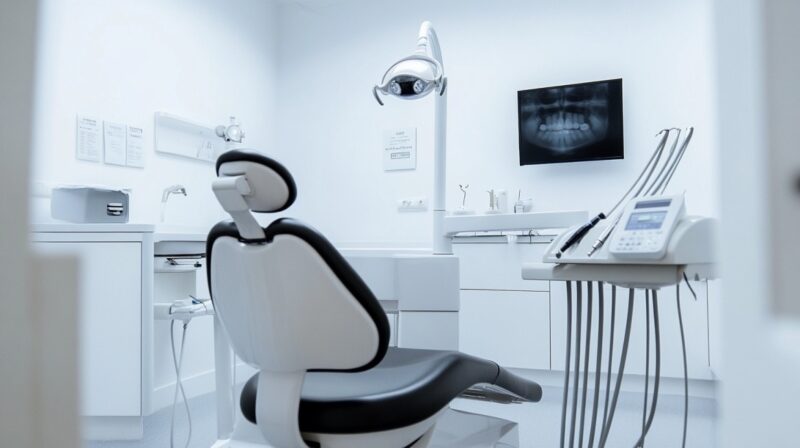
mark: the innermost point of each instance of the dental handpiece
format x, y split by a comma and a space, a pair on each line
578, 234
603, 236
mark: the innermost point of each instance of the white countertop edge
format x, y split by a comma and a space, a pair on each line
67, 227
167, 233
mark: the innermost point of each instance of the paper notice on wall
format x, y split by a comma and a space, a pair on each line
89, 139
400, 149
114, 143
206, 151
134, 154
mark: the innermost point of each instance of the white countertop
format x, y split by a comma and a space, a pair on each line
160, 232
68, 227
180, 233
454, 224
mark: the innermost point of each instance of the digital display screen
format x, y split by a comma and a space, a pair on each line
571, 123
646, 221
660, 203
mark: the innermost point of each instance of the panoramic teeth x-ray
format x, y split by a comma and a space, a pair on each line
571, 123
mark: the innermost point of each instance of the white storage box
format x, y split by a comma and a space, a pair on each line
84, 204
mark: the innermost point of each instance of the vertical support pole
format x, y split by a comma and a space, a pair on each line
441, 243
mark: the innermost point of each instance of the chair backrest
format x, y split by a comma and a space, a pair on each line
287, 298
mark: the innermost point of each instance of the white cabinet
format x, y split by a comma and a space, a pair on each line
492, 263
418, 290
503, 318
508, 327
110, 324
428, 330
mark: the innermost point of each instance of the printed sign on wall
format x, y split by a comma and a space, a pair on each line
400, 149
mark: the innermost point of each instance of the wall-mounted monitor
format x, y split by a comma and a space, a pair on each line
571, 123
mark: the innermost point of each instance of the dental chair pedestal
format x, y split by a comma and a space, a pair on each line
295, 309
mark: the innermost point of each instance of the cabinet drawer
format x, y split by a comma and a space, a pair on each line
498, 265
511, 328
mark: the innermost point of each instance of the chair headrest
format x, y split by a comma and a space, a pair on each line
272, 186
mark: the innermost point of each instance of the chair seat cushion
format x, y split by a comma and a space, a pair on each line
406, 387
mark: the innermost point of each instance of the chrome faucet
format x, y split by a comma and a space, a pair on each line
174, 189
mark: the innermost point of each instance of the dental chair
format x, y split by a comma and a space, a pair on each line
295, 309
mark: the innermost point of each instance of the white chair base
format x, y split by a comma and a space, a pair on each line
448, 429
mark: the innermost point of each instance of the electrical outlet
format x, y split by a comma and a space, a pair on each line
413, 205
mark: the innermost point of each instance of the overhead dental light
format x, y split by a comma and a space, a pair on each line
415, 77
232, 133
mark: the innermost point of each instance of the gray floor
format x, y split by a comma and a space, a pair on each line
539, 423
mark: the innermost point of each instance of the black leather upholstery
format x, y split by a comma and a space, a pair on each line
248, 155
408, 386
340, 267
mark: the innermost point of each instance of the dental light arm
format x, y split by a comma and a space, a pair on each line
414, 77
428, 43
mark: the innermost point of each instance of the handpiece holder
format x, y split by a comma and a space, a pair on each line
690, 243
690, 251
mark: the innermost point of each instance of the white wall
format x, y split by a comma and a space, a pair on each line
331, 54
124, 60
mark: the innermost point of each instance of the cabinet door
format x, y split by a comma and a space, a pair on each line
431, 330
498, 265
511, 328
695, 322
109, 324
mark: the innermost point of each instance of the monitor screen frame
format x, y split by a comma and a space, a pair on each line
613, 144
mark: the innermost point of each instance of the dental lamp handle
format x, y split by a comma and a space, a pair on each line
428, 42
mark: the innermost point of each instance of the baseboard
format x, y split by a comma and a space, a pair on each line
196, 385
112, 428
631, 383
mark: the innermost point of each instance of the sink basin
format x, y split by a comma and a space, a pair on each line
179, 240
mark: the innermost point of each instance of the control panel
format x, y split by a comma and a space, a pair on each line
645, 228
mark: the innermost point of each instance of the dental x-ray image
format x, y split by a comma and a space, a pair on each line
571, 123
